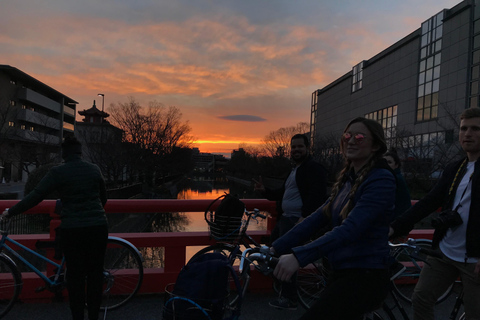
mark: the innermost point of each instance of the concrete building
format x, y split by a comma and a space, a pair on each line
34, 119
415, 88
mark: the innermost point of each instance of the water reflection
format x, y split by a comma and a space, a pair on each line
195, 188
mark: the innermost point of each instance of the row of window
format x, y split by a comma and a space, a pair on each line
475, 69
357, 81
424, 146
22, 126
429, 68
387, 117
13, 103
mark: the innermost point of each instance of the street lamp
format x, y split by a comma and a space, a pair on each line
103, 99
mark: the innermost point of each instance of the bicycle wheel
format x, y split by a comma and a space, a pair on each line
224, 248
373, 316
310, 282
123, 273
404, 284
10, 284
233, 253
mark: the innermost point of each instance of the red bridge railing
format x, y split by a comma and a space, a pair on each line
174, 243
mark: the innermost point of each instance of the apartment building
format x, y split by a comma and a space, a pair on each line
34, 118
416, 89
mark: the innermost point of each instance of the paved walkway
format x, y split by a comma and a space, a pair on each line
149, 307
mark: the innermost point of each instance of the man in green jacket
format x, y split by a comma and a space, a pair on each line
83, 228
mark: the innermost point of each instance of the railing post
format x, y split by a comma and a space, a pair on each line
54, 224
174, 259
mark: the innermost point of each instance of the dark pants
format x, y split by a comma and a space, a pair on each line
283, 225
349, 294
84, 250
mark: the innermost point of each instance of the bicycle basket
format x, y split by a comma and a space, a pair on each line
182, 308
225, 224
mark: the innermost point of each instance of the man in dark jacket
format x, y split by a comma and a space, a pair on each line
83, 228
456, 228
304, 190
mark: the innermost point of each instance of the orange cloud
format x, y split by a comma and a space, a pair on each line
210, 61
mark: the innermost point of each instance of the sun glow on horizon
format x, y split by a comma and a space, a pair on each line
226, 142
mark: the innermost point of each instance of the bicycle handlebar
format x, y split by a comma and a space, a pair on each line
255, 214
265, 261
411, 243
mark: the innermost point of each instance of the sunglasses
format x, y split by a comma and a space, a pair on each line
358, 137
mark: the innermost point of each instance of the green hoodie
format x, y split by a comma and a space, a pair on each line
82, 191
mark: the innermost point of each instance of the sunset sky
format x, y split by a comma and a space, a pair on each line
237, 69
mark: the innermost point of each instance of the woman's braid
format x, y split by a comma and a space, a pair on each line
358, 181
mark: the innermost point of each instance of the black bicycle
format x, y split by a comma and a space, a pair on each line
412, 254
233, 242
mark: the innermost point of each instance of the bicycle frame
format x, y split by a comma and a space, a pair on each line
59, 266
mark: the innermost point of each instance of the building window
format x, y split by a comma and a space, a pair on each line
24, 107
388, 119
32, 128
13, 103
13, 81
475, 68
313, 118
425, 147
429, 68
22, 127
357, 79
11, 124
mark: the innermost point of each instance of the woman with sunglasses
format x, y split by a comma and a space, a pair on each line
358, 212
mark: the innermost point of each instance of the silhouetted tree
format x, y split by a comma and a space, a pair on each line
152, 132
277, 143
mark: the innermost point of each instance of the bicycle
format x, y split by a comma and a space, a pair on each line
262, 260
417, 252
123, 273
312, 279
236, 238
411, 255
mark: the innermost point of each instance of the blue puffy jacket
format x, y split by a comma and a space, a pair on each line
359, 241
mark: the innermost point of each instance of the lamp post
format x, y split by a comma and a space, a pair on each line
103, 103
103, 99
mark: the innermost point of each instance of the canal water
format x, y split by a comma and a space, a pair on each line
194, 188
212, 188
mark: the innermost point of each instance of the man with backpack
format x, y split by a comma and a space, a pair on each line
304, 190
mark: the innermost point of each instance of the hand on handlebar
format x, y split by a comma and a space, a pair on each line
5, 215
286, 267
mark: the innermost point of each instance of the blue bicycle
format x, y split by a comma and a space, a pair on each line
123, 271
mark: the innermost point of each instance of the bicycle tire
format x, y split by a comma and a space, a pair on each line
373, 316
310, 282
227, 249
224, 248
404, 284
123, 273
10, 284
386, 311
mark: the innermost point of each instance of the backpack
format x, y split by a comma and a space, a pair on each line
226, 222
202, 289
